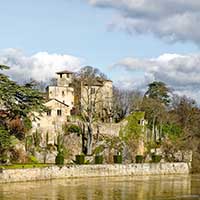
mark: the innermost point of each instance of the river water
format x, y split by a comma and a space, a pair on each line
186, 187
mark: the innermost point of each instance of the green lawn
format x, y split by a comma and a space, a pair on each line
24, 166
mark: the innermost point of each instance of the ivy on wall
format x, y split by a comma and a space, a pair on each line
133, 127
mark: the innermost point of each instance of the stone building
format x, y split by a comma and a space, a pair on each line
98, 96
63, 90
60, 101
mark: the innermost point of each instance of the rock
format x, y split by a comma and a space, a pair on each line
187, 156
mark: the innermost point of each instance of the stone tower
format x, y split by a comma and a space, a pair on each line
62, 91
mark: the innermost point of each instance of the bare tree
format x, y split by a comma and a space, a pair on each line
88, 83
124, 102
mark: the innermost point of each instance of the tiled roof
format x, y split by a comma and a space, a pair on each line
65, 72
58, 102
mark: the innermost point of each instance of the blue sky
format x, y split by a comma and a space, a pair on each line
95, 32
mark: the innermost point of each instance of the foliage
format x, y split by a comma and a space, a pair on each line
117, 159
18, 104
133, 128
156, 158
59, 160
99, 149
153, 145
5, 141
159, 91
155, 112
98, 159
80, 159
60, 143
28, 142
71, 128
115, 143
139, 158
36, 138
19, 100
172, 131
33, 159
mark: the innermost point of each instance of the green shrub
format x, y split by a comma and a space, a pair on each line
156, 158
117, 159
33, 159
139, 158
99, 149
80, 159
98, 159
72, 128
59, 159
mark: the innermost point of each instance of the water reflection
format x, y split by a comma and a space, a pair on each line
120, 188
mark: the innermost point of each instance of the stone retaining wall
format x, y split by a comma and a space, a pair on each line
72, 171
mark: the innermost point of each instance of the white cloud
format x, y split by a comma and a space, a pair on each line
167, 19
40, 66
180, 72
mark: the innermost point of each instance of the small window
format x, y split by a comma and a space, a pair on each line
49, 113
67, 75
92, 90
59, 112
60, 75
63, 93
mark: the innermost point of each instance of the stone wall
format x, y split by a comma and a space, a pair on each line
72, 171
110, 129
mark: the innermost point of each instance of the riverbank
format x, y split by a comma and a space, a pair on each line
76, 171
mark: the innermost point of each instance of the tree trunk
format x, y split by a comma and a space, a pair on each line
153, 130
89, 139
84, 149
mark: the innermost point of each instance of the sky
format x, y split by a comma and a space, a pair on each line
134, 42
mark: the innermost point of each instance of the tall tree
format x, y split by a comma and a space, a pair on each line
17, 104
155, 102
155, 113
159, 91
88, 87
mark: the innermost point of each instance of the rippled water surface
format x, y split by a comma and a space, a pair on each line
125, 188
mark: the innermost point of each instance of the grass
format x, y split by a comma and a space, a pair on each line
24, 166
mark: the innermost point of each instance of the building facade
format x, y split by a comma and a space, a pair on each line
97, 96
60, 101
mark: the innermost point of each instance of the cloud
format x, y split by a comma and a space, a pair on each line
40, 66
180, 72
167, 19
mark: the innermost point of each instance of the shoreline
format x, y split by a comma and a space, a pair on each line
86, 171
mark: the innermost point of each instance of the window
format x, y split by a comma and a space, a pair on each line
92, 90
63, 93
67, 75
49, 113
59, 112
60, 75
